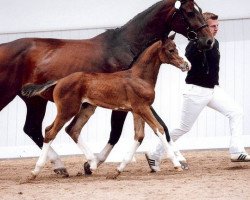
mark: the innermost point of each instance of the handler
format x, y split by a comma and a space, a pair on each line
203, 90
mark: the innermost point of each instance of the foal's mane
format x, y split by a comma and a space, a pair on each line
146, 56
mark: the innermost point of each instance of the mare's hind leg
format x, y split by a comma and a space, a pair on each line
36, 108
177, 153
74, 130
139, 125
6, 99
148, 116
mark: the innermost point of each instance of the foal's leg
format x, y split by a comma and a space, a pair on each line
74, 130
50, 134
139, 125
177, 153
148, 116
36, 108
66, 109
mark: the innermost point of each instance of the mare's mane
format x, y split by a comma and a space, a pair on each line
136, 34
140, 23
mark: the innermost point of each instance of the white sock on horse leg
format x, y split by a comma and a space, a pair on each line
128, 157
168, 149
88, 153
42, 158
55, 159
102, 156
177, 153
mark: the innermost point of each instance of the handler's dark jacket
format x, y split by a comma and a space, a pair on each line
205, 65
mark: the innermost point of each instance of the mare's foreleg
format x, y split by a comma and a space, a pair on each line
139, 125
148, 116
36, 108
74, 130
117, 121
162, 123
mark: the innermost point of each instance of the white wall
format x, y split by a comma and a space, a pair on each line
41, 15
211, 129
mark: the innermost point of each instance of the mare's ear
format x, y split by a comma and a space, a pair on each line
172, 36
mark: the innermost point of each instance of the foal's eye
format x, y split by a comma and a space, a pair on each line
171, 50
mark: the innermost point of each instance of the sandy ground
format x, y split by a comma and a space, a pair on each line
211, 176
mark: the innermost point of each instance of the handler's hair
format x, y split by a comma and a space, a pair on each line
208, 15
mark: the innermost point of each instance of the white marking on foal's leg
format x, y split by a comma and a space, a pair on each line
177, 153
128, 157
169, 150
55, 159
88, 153
42, 158
102, 156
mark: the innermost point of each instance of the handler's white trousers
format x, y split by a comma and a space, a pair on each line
195, 100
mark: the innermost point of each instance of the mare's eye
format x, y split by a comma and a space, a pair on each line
171, 50
191, 14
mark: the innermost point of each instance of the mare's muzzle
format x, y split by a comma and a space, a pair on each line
205, 43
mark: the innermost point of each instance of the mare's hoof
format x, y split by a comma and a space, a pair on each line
184, 165
178, 169
62, 172
27, 179
87, 170
79, 174
113, 175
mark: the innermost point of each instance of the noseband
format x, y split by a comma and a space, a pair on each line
191, 33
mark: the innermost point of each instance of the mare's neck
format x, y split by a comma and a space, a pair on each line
146, 28
148, 64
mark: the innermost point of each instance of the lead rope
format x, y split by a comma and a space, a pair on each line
205, 62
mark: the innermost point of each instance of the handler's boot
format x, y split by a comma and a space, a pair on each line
153, 162
240, 157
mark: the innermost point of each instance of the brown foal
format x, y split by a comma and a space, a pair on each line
129, 90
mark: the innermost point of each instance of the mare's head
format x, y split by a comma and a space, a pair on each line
187, 19
169, 54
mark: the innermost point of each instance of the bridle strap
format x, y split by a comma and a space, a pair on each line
190, 30
201, 27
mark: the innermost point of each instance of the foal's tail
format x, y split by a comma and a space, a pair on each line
31, 90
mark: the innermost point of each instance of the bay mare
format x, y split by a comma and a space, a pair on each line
129, 90
36, 60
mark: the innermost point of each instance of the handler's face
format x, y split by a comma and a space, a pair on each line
213, 26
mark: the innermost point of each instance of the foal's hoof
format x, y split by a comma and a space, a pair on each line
62, 172
87, 170
113, 175
178, 169
184, 165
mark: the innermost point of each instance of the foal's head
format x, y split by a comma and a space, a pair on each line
169, 54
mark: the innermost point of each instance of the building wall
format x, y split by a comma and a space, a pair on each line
211, 130
36, 15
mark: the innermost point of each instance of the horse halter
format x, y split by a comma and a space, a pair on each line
191, 33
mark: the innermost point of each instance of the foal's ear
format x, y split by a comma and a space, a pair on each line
172, 36
160, 43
